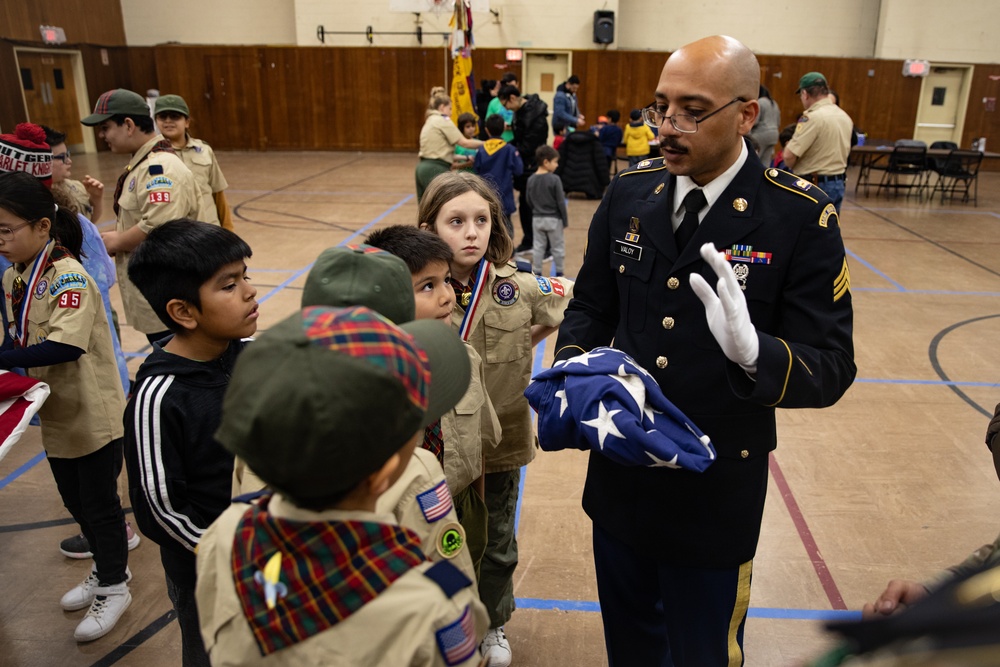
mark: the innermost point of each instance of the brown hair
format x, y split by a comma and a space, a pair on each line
449, 185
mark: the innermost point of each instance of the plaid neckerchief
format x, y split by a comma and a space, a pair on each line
434, 441
160, 146
463, 293
328, 570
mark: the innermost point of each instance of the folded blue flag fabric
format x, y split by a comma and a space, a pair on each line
603, 400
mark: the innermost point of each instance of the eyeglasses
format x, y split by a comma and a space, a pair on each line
682, 122
7, 233
62, 157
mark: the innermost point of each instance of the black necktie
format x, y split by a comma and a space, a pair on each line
693, 203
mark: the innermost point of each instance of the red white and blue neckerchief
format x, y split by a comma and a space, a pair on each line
478, 287
21, 298
604, 401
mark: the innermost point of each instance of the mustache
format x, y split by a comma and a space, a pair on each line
671, 143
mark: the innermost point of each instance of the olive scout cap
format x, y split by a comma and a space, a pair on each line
115, 102
326, 397
361, 275
171, 103
811, 79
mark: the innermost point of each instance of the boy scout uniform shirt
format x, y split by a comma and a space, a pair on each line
157, 189
398, 627
469, 429
511, 303
420, 501
200, 159
822, 139
84, 412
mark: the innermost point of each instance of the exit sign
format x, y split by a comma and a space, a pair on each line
916, 68
514, 55
52, 35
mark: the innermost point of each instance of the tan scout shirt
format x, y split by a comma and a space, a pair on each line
501, 334
822, 139
438, 138
200, 159
147, 201
84, 411
440, 538
396, 628
471, 428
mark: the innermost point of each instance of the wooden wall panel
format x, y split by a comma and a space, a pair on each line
90, 21
11, 100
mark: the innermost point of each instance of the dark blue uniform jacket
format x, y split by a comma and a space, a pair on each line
634, 292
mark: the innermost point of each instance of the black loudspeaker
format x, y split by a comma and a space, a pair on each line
604, 27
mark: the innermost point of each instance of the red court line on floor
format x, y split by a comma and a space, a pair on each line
822, 571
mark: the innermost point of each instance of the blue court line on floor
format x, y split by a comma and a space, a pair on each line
25, 467
753, 612
943, 383
872, 268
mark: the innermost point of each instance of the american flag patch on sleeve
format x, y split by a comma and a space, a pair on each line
435, 503
457, 642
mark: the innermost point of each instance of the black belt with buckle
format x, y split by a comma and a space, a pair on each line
817, 178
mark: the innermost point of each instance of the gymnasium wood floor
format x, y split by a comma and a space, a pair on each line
892, 481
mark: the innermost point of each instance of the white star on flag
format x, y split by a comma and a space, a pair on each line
585, 358
660, 463
563, 403
604, 424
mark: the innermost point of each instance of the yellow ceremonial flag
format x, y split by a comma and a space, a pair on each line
461, 93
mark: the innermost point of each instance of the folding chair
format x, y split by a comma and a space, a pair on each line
958, 175
906, 170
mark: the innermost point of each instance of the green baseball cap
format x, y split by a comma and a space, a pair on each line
811, 79
361, 275
324, 398
171, 103
115, 102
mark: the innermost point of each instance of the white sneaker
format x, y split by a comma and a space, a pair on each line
82, 595
496, 649
110, 602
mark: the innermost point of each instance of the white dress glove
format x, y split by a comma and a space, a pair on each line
727, 314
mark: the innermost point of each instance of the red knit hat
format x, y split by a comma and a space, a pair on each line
26, 151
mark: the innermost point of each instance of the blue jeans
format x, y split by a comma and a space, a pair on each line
835, 191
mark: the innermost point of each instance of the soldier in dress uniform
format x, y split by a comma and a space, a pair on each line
154, 188
674, 548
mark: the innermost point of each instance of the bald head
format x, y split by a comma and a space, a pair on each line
724, 60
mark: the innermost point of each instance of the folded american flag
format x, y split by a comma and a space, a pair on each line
20, 398
605, 401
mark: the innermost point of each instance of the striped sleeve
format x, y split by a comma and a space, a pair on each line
160, 466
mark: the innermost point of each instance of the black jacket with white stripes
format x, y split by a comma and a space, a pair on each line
180, 478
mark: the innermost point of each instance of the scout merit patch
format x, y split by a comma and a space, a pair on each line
159, 197
450, 540
505, 292
457, 641
435, 503
69, 300
67, 281
159, 182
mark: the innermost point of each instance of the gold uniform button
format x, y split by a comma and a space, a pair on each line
668, 323
673, 283
744, 454
621, 268
661, 362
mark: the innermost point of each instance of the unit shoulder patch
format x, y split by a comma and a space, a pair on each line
829, 214
67, 281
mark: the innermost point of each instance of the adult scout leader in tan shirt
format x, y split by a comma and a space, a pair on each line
154, 188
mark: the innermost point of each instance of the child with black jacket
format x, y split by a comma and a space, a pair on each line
194, 276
